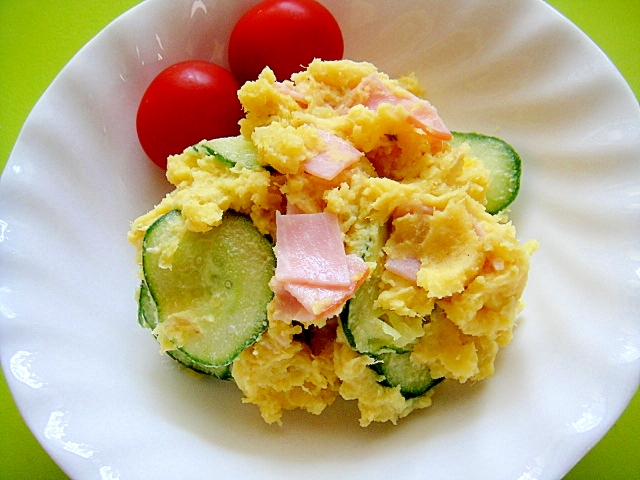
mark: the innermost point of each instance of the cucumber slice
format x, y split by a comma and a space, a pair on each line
365, 331
147, 311
362, 324
231, 151
148, 318
368, 329
212, 299
503, 163
399, 371
368, 333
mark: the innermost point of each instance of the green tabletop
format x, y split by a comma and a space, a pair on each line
38, 37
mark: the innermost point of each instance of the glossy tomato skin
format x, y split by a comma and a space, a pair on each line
285, 35
187, 102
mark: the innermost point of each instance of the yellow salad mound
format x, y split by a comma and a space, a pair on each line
455, 315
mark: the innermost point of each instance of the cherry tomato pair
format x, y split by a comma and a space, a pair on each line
195, 100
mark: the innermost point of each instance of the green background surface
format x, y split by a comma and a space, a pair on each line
37, 39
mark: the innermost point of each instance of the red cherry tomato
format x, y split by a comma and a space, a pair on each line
187, 102
285, 35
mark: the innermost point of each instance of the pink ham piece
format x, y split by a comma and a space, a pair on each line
321, 300
292, 92
406, 209
405, 267
286, 307
314, 277
338, 155
309, 250
422, 114
293, 209
480, 231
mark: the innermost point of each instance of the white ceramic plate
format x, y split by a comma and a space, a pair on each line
104, 404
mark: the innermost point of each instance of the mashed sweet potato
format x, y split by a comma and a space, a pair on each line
458, 274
